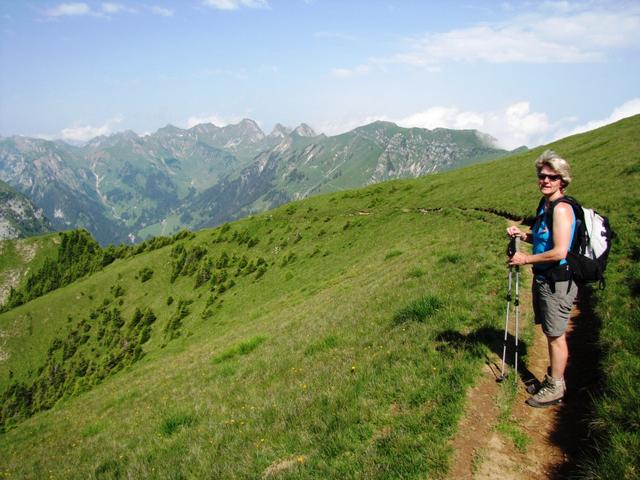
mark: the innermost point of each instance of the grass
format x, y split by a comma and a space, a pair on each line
418, 311
243, 348
313, 361
173, 422
314, 365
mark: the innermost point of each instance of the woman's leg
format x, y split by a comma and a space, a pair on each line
558, 355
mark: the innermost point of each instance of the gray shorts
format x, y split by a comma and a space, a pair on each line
552, 309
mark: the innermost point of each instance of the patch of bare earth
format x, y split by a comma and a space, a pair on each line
557, 434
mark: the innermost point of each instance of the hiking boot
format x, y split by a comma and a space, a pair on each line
550, 393
536, 386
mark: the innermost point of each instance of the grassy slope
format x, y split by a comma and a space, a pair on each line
296, 394
305, 369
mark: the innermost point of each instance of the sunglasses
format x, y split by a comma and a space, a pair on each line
553, 178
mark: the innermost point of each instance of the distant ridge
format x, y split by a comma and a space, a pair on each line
125, 187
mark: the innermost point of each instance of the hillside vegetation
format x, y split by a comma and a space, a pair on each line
330, 338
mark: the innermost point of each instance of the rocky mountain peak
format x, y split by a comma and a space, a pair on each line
249, 124
245, 131
279, 131
205, 128
169, 130
304, 130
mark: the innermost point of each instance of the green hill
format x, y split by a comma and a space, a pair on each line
316, 340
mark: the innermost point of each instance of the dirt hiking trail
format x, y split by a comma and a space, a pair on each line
556, 435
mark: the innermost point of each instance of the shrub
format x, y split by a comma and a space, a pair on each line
145, 274
172, 328
203, 275
145, 335
117, 291
149, 317
261, 271
288, 259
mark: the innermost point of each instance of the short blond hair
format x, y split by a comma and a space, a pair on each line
552, 160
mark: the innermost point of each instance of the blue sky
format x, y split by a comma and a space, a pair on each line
525, 72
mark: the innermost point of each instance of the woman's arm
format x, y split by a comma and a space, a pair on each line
562, 222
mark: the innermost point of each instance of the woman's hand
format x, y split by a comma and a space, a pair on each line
514, 232
518, 258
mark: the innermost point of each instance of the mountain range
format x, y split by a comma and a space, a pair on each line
126, 187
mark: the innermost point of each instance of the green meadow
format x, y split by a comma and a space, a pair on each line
334, 337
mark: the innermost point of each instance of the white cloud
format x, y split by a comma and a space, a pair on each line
553, 32
493, 44
342, 126
235, 4
512, 127
106, 9
446, 117
113, 8
163, 12
627, 109
600, 29
85, 133
216, 120
72, 9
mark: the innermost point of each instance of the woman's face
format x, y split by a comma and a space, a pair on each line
549, 182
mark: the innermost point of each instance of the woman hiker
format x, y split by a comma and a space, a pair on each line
553, 291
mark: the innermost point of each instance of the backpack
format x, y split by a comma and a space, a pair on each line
589, 249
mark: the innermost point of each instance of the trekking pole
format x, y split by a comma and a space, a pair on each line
516, 304
511, 250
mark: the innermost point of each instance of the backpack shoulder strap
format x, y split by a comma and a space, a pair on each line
577, 213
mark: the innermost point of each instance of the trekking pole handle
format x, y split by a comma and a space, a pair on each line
514, 246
